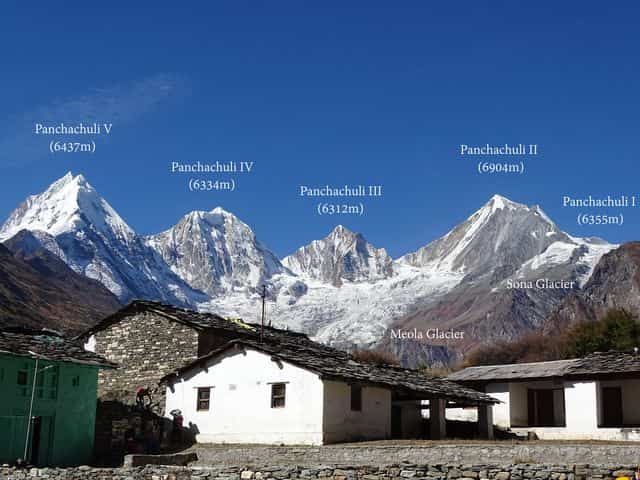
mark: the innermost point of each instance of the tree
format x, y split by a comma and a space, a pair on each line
619, 329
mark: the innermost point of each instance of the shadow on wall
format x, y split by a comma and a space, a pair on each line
122, 429
464, 430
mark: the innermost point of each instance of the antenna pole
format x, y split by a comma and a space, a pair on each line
33, 392
264, 297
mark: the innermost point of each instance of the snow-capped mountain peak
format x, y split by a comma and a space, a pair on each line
74, 222
216, 252
69, 203
498, 202
341, 256
221, 211
343, 238
501, 232
341, 289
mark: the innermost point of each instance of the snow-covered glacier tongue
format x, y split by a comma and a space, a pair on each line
355, 290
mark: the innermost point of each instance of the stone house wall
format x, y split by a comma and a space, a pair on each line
146, 347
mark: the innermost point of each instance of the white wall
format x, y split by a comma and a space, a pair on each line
501, 411
90, 344
240, 409
343, 425
459, 414
518, 413
581, 408
579, 412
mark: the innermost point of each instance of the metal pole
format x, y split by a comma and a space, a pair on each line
264, 297
33, 391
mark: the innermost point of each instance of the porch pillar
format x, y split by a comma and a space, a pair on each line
485, 421
437, 409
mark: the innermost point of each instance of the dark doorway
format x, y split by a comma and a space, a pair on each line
396, 422
542, 407
611, 407
41, 441
36, 428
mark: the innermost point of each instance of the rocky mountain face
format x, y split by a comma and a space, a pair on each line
420, 354
518, 267
500, 236
38, 290
481, 279
72, 221
216, 253
343, 256
615, 283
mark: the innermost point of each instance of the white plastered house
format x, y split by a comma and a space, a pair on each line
249, 391
594, 398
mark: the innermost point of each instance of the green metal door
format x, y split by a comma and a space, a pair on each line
13, 430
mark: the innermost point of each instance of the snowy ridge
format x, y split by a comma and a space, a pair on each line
343, 256
216, 252
65, 206
499, 232
340, 289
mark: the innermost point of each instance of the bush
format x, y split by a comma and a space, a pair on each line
376, 357
535, 347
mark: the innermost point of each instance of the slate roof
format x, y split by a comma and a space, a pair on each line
333, 364
197, 320
597, 364
48, 345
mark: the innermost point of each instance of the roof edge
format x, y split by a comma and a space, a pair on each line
256, 346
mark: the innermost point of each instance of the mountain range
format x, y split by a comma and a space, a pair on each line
340, 289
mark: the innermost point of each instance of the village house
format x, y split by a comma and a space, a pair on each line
148, 339
594, 398
295, 391
48, 401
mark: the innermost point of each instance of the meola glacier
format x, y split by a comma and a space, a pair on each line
341, 289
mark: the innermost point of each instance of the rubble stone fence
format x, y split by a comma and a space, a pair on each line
402, 471
436, 453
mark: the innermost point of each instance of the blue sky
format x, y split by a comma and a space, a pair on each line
319, 92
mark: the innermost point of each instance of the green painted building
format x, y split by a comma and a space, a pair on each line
61, 402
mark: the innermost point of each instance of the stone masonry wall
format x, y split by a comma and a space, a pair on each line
403, 471
146, 347
434, 453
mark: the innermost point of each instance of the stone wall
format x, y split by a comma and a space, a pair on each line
146, 347
436, 453
403, 471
